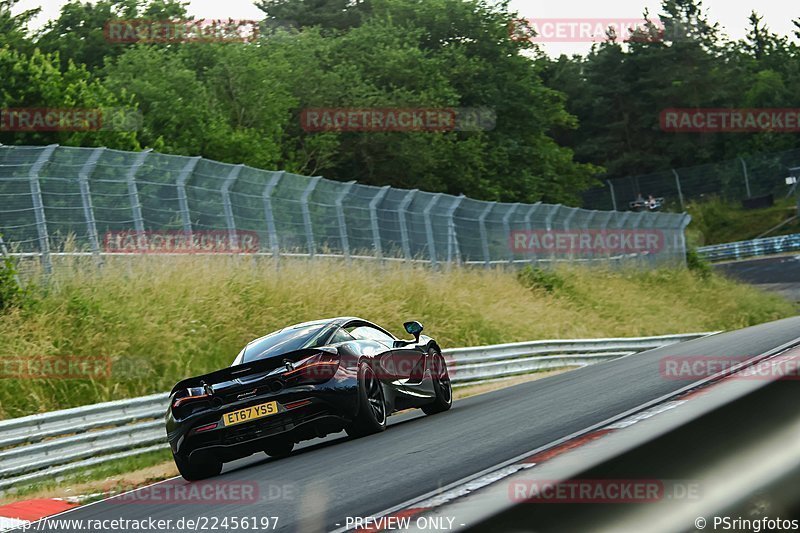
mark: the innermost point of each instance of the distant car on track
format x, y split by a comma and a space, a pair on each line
301, 382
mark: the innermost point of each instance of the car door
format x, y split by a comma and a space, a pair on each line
378, 345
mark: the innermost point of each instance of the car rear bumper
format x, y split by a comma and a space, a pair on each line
328, 409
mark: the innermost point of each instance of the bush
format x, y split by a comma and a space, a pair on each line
697, 264
534, 278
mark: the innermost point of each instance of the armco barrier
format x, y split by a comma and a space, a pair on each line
49, 444
754, 248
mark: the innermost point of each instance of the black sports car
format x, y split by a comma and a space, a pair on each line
301, 382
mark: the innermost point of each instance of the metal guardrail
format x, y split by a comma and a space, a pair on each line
754, 248
49, 444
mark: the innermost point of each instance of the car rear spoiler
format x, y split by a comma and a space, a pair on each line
246, 369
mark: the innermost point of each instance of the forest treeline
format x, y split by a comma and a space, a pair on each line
559, 124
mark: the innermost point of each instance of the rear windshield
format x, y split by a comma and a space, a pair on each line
286, 340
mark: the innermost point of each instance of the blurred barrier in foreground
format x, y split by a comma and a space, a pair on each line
97, 200
44, 446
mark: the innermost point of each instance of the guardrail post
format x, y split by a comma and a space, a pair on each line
678, 186
507, 229
345, 240
373, 218
86, 200
183, 200
226, 205
429, 227
401, 213
452, 236
133, 194
312, 184
268, 215
484, 236
38, 206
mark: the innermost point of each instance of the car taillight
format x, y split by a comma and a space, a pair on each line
191, 394
316, 369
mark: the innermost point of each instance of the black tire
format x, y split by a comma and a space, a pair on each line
441, 384
277, 449
196, 470
371, 416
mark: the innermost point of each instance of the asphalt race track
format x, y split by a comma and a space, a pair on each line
327, 480
778, 274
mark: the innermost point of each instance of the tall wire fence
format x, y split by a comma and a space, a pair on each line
732, 180
98, 201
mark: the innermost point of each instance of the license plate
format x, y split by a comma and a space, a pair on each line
250, 413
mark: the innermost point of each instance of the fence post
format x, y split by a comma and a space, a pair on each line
429, 227
548, 221
4, 253
86, 200
507, 230
133, 195
548, 224
572, 212
746, 177
401, 213
373, 217
227, 208
452, 236
529, 215
270, 219
183, 200
684, 223
312, 184
38, 206
482, 229
613, 194
678, 186
345, 240
589, 220
622, 219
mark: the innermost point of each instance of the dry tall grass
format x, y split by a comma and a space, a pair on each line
161, 319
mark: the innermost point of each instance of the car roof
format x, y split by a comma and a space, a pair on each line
337, 321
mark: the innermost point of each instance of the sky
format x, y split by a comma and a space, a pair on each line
731, 14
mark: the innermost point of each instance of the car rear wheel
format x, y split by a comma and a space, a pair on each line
279, 448
194, 470
441, 385
371, 416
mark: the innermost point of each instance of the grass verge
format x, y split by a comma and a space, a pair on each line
160, 319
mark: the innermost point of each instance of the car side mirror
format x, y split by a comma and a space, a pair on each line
413, 328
